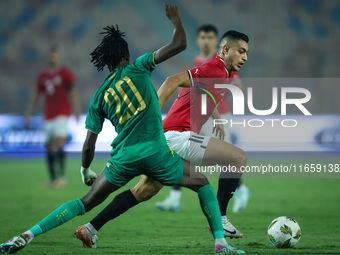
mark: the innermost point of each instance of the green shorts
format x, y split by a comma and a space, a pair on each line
165, 166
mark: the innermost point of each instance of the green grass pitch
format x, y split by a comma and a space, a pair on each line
313, 202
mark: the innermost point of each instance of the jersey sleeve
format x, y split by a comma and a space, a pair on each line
95, 117
146, 62
207, 70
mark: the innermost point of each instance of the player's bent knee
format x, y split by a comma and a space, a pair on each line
144, 192
242, 158
199, 183
239, 158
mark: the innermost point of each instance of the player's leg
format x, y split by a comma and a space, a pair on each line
49, 129
60, 160
50, 159
99, 191
225, 154
242, 192
169, 169
208, 201
172, 202
119, 175
60, 134
204, 150
143, 191
146, 189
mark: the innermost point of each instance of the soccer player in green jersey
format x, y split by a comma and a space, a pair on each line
127, 98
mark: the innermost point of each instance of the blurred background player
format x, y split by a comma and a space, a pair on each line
207, 41
57, 84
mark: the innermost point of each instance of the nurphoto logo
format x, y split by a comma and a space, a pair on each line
239, 99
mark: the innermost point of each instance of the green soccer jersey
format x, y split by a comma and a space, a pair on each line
128, 99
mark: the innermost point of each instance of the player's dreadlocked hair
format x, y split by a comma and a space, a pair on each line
112, 50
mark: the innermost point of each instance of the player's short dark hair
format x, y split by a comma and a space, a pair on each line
112, 50
207, 28
234, 35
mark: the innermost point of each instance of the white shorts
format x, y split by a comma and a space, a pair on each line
188, 145
208, 127
56, 127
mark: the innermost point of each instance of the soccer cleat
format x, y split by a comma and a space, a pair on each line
14, 245
229, 248
84, 235
229, 230
169, 204
241, 197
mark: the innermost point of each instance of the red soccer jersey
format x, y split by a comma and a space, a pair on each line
235, 79
55, 86
225, 108
185, 113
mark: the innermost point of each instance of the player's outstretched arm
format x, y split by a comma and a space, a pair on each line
89, 146
170, 85
178, 42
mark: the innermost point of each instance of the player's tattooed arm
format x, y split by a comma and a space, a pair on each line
170, 85
178, 42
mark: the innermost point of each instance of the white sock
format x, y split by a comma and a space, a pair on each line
224, 217
91, 229
30, 234
175, 194
220, 241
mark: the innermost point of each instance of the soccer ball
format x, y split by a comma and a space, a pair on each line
284, 232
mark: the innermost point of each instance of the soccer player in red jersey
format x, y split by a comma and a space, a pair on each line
207, 42
57, 84
184, 120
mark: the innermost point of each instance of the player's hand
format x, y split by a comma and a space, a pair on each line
88, 176
218, 129
172, 12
